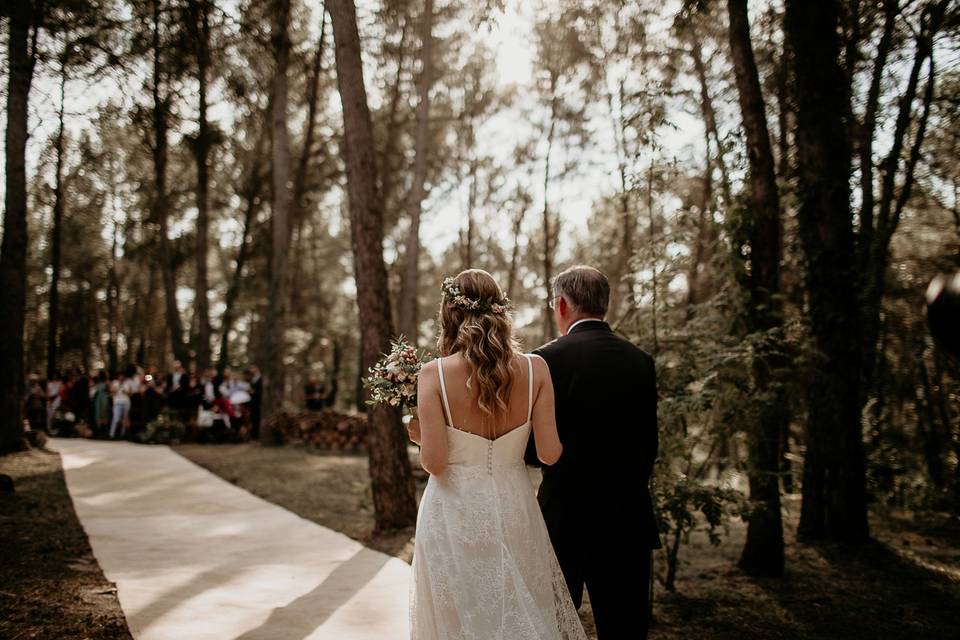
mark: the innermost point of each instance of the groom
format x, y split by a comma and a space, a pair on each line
596, 498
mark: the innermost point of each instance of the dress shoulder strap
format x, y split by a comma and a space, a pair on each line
529, 386
443, 393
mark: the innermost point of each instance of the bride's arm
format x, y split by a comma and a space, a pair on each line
433, 430
544, 414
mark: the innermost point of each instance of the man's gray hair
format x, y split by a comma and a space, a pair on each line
585, 288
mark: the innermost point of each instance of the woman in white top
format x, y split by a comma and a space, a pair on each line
121, 389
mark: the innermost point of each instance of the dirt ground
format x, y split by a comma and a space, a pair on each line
51, 586
905, 584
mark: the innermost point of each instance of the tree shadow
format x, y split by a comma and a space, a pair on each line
303, 616
834, 591
175, 596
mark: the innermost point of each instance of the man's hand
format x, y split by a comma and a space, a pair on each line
413, 427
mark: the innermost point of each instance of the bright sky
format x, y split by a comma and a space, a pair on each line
510, 37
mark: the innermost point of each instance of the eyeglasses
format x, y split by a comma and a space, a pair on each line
550, 302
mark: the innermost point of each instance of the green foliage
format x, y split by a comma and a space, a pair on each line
166, 429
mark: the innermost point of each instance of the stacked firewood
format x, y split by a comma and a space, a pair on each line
322, 429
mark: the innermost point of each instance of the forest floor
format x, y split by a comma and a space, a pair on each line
904, 584
50, 584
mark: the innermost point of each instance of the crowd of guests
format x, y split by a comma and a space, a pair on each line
119, 405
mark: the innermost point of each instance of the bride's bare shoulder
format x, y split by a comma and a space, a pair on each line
540, 368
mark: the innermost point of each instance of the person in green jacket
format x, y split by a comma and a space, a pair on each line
101, 404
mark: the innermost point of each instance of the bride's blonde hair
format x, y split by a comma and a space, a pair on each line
475, 322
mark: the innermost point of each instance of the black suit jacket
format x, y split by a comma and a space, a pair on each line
606, 404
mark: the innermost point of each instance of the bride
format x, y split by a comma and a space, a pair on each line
483, 565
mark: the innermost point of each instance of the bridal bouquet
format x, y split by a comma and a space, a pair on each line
393, 380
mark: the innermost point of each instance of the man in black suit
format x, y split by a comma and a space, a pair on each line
596, 499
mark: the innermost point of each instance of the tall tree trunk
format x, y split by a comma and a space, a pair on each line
834, 480
335, 369
763, 552
409, 300
934, 436
161, 107
393, 126
466, 255
783, 110
199, 25
299, 212
143, 340
113, 304
549, 330
515, 253
252, 188
312, 99
390, 475
654, 265
621, 261
53, 320
275, 335
13, 252
877, 231
710, 116
706, 232
868, 127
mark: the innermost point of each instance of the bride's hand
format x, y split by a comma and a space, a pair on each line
413, 427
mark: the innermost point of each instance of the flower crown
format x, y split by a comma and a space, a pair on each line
454, 296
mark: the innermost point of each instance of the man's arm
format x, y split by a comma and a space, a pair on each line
652, 435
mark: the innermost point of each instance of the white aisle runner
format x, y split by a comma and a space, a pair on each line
195, 557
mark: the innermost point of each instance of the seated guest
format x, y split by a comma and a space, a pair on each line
36, 405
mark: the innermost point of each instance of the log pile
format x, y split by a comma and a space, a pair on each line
322, 429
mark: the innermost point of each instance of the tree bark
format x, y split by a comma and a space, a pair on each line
53, 314
161, 107
874, 242
391, 479
275, 334
763, 552
13, 252
113, 303
466, 236
549, 330
934, 436
199, 24
621, 262
393, 126
515, 252
868, 127
710, 117
299, 212
834, 480
251, 195
409, 300
655, 294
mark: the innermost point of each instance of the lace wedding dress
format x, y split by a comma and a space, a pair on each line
483, 565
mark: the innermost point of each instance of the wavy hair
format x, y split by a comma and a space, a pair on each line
484, 338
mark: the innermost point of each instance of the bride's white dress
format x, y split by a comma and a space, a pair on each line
483, 565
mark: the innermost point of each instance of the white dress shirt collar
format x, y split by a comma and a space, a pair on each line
570, 328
